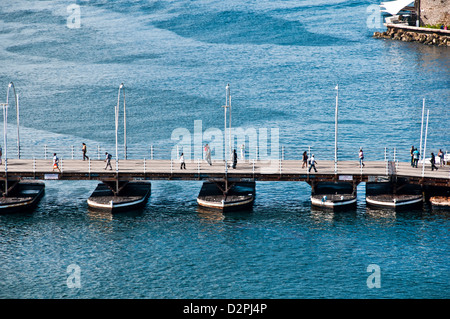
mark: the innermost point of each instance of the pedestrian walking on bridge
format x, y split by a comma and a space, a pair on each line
312, 163
108, 160
83, 149
361, 158
208, 154
182, 163
416, 155
305, 159
234, 159
433, 162
56, 162
440, 155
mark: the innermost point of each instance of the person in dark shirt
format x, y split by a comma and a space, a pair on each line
433, 162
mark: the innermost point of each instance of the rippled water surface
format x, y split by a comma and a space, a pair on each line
283, 60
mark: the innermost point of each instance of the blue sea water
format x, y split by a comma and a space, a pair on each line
283, 60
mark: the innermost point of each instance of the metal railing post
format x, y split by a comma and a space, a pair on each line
198, 167
253, 168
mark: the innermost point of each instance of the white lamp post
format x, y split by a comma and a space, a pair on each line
117, 125
16, 100
5, 108
5, 130
227, 105
336, 130
421, 130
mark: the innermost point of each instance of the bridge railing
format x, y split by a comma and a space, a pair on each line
386, 162
391, 156
150, 151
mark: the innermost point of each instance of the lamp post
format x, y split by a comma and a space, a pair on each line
124, 122
16, 100
5, 130
117, 130
227, 105
421, 129
121, 87
425, 145
336, 130
229, 129
5, 108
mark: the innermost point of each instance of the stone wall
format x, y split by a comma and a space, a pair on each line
411, 34
434, 12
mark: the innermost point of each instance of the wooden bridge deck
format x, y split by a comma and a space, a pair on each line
275, 170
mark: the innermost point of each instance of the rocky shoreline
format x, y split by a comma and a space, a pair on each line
429, 38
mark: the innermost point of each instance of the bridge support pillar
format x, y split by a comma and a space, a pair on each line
8, 185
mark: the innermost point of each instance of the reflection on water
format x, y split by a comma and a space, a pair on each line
321, 216
100, 216
100, 221
429, 59
432, 58
209, 215
443, 211
384, 215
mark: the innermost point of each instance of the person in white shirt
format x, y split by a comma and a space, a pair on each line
208, 154
183, 165
361, 158
312, 163
56, 162
242, 152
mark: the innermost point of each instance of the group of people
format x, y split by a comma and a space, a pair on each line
312, 162
108, 158
56, 163
414, 159
415, 155
207, 150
